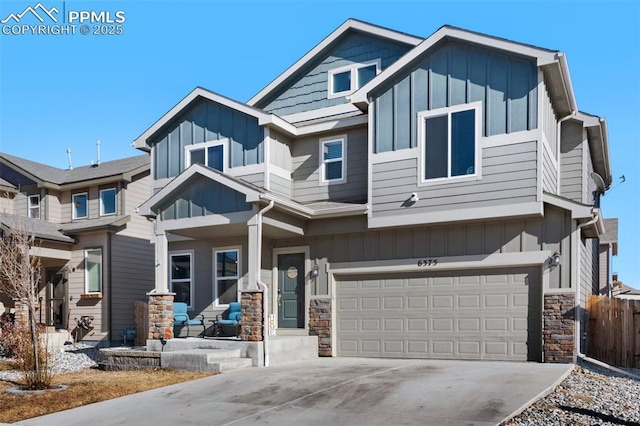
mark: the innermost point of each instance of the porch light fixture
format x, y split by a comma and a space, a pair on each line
314, 271
555, 260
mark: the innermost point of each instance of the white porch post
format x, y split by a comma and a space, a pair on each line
162, 286
252, 237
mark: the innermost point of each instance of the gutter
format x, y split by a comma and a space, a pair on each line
265, 289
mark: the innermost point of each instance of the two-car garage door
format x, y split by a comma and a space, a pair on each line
480, 314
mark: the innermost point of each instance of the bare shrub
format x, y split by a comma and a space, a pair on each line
16, 340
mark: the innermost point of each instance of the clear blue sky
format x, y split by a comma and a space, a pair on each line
59, 92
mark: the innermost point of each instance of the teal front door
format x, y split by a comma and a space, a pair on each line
291, 275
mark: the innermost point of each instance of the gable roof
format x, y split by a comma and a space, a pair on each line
46, 175
326, 44
598, 144
553, 64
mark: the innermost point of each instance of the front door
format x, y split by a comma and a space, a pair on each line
291, 276
56, 299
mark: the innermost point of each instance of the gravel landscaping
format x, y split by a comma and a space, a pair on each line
65, 360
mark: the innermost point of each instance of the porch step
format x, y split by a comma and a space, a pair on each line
214, 360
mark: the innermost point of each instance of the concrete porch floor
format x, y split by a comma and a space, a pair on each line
283, 349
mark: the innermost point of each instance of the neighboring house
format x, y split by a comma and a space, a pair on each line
608, 248
398, 196
95, 250
623, 291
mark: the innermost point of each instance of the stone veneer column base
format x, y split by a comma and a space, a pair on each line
21, 312
252, 321
160, 315
320, 324
559, 328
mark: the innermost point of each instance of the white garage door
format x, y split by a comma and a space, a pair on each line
480, 314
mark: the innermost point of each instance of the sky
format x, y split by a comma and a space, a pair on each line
60, 91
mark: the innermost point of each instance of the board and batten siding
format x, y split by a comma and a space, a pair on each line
455, 74
206, 121
508, 177
347, 240
306, 167
308, 90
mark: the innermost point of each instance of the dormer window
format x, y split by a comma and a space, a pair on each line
346, 80
79, 205
34, 206
211, 154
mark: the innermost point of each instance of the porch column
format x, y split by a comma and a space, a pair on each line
161, 262
252, 237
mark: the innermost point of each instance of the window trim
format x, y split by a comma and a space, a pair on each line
189, 253
204, 145
73, 205
423, 116
238, 278
323, 162
115, 201
86, 275
355, 84
31, 206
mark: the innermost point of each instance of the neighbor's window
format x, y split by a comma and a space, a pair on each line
93, 270
345, 80
211, 154
227, 273
79, 207
107, 201
181, 277
449, 143
332, 157
34, 206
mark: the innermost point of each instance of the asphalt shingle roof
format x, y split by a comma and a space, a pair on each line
77, 174
40, 228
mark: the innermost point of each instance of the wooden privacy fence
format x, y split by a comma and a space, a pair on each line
141, 315
613, 333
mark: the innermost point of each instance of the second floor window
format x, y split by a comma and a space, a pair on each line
211, 154
79, 205
34, 206
332, 157
345, 80
107, 201
93, 270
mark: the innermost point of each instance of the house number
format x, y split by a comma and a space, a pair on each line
427, 262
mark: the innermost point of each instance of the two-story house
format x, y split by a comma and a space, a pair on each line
94, 249
394, 195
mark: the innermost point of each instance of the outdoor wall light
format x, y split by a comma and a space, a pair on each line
555, 259
314, 271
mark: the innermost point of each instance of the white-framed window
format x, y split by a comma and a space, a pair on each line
450, 143
226, 275
348, 79
79, 206
333, 159
107, 201
181, 276
93, 270
213, 154
33, 202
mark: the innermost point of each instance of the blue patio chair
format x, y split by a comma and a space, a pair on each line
181, 318
230, 317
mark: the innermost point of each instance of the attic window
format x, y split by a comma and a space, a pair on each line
346, 80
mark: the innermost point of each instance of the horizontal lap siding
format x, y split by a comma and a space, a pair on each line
306, 166
549, 173
571, 161
508, 177
281, 186
256, 179
309, 89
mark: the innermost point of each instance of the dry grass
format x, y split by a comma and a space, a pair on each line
86, 387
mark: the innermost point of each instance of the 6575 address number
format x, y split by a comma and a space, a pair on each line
427, 262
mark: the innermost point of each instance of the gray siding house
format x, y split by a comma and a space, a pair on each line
396, 196
94, 248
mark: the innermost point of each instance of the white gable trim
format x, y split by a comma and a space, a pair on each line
349, 24
146, 209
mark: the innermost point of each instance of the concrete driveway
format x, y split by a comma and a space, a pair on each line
333, 391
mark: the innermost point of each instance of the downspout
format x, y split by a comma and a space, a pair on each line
578, 329
265, 289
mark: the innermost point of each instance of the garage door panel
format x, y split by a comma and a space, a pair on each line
481, 314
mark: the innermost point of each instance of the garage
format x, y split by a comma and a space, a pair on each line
478, 315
